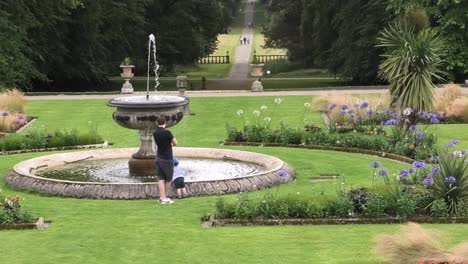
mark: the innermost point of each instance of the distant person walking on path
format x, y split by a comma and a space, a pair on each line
179, 180
245, 40
164, 163
241, 40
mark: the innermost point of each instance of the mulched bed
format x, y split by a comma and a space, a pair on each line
334, 221
382, 154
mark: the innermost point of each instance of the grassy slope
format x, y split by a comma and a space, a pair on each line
97, 231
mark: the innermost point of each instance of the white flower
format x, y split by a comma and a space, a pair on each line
240, 112
256, 112
278, 100
263, 107
458, 154
407, 111
307, 105
267, 119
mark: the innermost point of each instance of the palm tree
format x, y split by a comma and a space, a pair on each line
410, 63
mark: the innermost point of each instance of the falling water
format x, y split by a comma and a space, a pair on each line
152, 47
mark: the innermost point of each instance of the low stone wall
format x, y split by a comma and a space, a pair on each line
22, 175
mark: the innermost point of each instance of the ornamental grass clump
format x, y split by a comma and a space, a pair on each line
414, 244
12, 101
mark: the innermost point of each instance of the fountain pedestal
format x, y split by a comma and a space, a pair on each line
141, 113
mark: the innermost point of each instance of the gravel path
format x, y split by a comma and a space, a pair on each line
240, 68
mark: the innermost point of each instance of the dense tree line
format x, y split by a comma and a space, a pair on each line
64, 44
341, 35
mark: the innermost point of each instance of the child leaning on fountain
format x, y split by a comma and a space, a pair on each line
178, 179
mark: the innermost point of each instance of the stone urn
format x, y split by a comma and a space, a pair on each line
127, 74
257, 72
140, 113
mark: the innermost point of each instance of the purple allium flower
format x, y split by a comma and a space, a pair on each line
343, 107
434, 159
383, 173
454, 141
5, 114
435, 169
359, 117
331, 107
351, 111
450, 179
419, 164
282, 173
435, 121
388, 112
390, 122
428, 181
440, 116
463, 152
375, 164
411, 170
449, 145
356, 105
342, 113
421, 114
404, 173
20, 117
370, 112
412, 128
420, 135
396, 115
364, 105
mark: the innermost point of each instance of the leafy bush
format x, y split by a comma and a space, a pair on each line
375, 206
405, 206
12, 213
38, 138
341, 207
278, 66
439, 208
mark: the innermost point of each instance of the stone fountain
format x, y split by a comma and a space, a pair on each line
141, 113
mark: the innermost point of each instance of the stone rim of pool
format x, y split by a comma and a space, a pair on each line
22, 176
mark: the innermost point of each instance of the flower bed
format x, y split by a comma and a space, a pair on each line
39, 139
432, 193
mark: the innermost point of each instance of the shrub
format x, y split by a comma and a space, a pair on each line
439, 208
405, 206
12, 213
38, 138
278, 66
375, 206
342, 206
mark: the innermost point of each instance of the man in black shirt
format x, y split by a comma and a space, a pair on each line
164, 164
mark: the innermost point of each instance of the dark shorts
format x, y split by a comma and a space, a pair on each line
165, 169
179, 183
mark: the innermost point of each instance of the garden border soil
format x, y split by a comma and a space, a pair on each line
333, 221
22, 151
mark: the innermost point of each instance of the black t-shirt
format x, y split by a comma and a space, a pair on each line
163, 139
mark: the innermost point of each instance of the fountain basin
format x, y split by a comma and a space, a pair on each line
138, 112
23, 175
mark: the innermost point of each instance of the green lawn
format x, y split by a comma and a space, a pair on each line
105, 231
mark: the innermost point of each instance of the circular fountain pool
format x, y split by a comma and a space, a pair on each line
116, 170
103, 174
